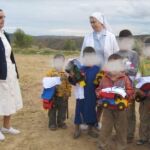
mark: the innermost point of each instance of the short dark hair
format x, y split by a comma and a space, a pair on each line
59, 56
114, 57
125, 33
88, 50
147, 40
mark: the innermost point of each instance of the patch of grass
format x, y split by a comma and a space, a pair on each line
44, 51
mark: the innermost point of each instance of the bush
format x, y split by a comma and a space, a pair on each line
22, 40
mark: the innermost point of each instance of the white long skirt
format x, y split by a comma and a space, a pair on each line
10, 94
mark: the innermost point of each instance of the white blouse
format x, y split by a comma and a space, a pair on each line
110, 44
6, 46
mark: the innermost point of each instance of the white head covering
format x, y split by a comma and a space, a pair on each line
101, 18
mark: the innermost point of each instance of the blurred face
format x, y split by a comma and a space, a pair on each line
115, 67
2, 19
90, 59
126, 43
59, 63
146, 51
96, 25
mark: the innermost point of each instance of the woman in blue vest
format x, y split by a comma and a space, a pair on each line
10, 95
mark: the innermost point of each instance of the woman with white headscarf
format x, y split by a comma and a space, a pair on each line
101, 39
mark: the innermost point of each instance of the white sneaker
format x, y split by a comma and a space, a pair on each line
99, 126
10, 130
2, 137
83, 127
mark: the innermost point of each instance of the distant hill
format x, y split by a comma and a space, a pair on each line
58, 42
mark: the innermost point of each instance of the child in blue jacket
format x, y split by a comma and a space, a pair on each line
85, 112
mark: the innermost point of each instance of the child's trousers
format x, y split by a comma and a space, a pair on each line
117, 120
57, 115
131, 120
144, 110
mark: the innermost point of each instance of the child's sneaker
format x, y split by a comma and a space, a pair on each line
10, 130
92, 134
83, 127
77, 134
141, 142
2, 137
130, 140
98, 126
53, 127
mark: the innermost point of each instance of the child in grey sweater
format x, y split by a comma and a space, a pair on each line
131, 61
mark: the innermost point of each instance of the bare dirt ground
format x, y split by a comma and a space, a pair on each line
32, 120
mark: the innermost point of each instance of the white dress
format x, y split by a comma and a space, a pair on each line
10, 94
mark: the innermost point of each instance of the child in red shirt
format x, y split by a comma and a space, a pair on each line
115, 77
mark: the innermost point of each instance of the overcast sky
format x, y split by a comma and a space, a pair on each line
71, 17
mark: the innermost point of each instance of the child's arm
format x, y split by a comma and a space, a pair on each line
136, 62
68, 88
129, 88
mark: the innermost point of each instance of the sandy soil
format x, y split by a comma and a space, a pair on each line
32, 120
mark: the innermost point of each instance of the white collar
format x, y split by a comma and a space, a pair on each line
103, 32
1, 31
100, 34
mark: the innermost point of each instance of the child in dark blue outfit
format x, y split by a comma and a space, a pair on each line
85, 112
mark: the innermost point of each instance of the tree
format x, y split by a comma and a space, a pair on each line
70, 45
21, 39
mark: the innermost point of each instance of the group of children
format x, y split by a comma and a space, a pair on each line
120, 71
